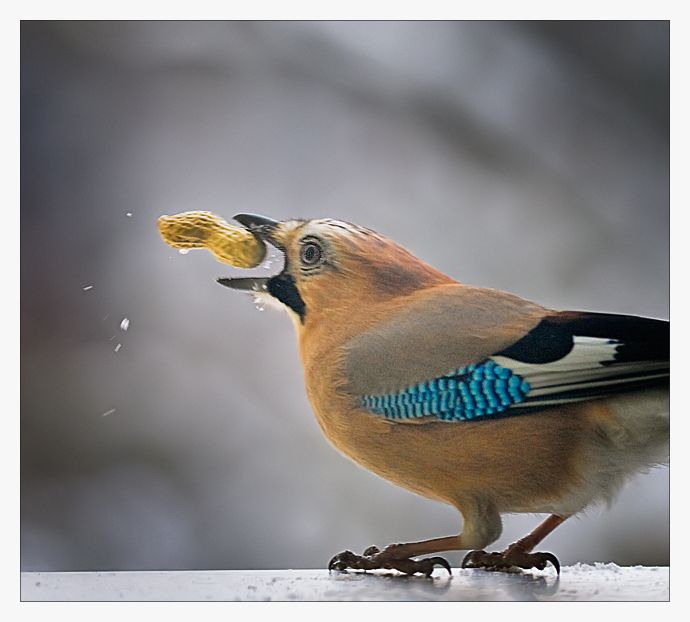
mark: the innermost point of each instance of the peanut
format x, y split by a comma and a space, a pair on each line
236, 246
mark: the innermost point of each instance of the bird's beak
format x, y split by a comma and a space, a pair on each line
264, 229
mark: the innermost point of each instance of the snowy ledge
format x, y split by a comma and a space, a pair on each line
581, 582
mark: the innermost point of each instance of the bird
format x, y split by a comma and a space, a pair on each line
467, 395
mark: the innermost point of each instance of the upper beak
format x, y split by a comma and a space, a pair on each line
263, 228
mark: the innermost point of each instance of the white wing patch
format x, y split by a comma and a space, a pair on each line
587, 353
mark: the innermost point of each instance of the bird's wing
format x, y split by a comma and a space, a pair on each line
466, 353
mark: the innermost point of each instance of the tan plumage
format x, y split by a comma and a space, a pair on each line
373, 320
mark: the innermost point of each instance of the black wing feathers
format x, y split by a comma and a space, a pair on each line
639, 338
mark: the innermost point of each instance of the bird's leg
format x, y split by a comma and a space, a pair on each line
398, 557
520, 553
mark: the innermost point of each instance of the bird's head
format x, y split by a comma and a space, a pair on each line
333, 266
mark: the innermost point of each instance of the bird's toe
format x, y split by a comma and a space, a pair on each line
510, 558
373, 559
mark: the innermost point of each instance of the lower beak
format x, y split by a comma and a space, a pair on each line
263, 228
247, 284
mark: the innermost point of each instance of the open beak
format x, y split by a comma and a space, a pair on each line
264, 229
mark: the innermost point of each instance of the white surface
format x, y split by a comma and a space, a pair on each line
601, 582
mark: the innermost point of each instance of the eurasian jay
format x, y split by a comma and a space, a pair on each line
467, 395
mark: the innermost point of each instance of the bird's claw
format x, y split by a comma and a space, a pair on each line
510, 558
373, 559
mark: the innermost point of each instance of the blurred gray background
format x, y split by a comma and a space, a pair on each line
527, 157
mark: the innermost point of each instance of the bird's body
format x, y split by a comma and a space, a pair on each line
467, 395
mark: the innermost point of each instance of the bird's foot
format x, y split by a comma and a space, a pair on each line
510, 558
387, 559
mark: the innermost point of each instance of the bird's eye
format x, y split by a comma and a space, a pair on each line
310, 253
